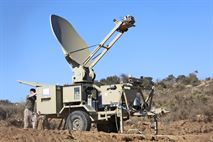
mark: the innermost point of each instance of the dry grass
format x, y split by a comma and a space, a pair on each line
11, 112
186, 101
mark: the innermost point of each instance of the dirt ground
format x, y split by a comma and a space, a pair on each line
187, 131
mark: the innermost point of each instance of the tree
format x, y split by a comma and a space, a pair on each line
124, 78
110, 80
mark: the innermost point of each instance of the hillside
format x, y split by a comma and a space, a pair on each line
188, 99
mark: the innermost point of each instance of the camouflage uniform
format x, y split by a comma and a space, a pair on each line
30, 115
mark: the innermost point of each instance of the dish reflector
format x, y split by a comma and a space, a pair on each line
73, 46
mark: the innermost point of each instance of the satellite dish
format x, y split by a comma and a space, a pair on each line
76, 50
73, 46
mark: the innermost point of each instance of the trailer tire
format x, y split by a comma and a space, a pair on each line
79, 121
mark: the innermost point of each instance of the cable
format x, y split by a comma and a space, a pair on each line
83, 49
96, 56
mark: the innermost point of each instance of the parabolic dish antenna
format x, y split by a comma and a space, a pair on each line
76, 50
74, 47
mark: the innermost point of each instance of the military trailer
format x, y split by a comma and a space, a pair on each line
83, 102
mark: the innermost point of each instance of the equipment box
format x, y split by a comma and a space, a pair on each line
49, 99
72, 93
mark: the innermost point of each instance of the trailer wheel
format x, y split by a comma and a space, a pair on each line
111, 126
79, 121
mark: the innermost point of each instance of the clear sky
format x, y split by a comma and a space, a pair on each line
170, 37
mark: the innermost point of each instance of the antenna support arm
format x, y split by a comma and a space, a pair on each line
120, 27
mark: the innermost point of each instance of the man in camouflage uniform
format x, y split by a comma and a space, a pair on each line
30, 115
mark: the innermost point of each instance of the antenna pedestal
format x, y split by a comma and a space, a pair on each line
83, 74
